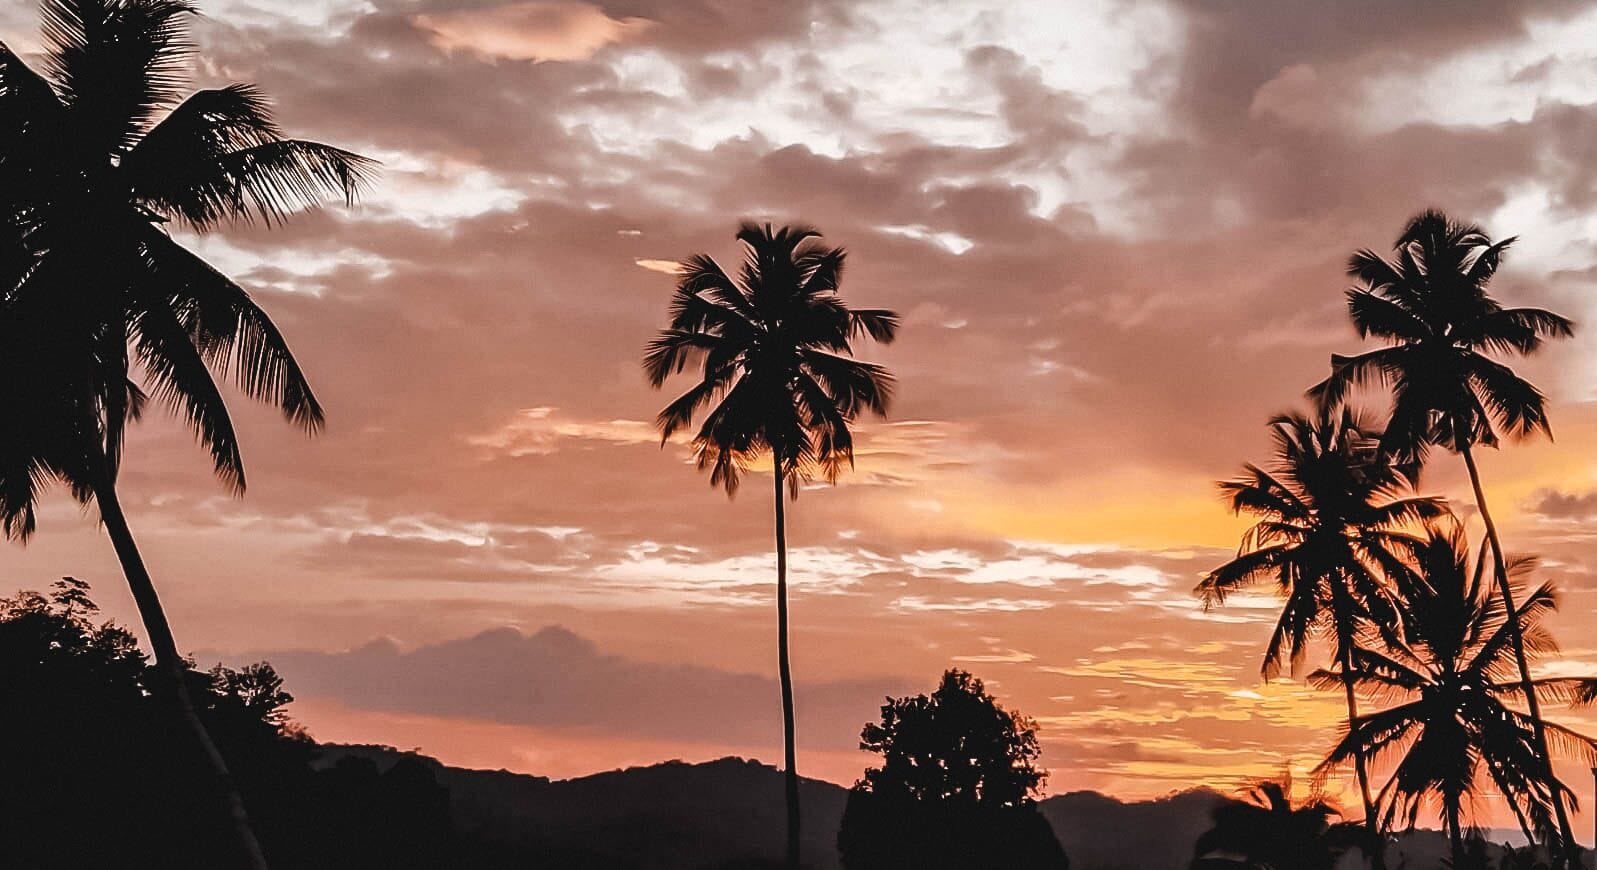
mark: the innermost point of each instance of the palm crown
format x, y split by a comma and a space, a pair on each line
102, 307
1451, 676
1331, 518
1270, 830
1430, 304
776, 347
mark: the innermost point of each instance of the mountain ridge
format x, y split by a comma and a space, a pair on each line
727, 813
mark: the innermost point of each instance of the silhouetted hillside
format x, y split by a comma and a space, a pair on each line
1101, 833
728, 814
718, 814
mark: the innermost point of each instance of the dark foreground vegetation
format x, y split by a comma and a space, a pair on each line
1431, 644
95, 778
95, 775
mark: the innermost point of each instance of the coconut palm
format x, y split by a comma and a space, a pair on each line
1430, 304
1268, 831
1332, 519
774, 349
1450, 678
101, 308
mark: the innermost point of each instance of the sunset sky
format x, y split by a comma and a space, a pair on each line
1116, 233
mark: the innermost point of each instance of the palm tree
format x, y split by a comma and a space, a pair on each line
775, 348
1450, 677
101, 308
1330, 531
1270, 832
1430, 305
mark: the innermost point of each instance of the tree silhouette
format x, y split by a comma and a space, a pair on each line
103, 309
957, 786
94, 776
775, 348
1450, 677
1331, 529
1431, 306
1270, 832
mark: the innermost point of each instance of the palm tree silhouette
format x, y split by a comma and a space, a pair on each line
1430, 304
775, 348
1330, 531
102, 308
1271, 832
1451, 676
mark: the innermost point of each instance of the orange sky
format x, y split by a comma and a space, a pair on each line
1116, 234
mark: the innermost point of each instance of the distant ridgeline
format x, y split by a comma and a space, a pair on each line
91, 776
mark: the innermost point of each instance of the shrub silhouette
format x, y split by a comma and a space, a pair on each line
92, 773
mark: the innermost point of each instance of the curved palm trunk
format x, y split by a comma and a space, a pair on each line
1344, 654
170, 668
789, 751
1532, 704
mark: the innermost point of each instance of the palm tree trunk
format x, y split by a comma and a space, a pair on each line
789, 750
1455, 836
171, 668
1532, 704
1344, 654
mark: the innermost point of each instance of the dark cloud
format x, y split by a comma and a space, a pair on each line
1558, 505
557, 679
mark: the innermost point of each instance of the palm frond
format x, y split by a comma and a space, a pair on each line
1348, 372
232, 332
1514, 330
853, 386
220, 156
1245, 570
181, 381
879, 323
1384, 318
1515, 405
116, 64
673, 350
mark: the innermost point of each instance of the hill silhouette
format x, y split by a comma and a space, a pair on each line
727, 813
718, 814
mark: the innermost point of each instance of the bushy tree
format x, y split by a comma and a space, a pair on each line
957, 786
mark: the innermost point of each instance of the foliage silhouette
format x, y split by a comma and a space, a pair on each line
1331, 531
1430, 304
957, 786
775, 348
1449, 679
103, 308
94, 776
1270, 832
1479, 855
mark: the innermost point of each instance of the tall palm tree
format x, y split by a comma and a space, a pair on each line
101, 309
774, 348
1331, 529
1430, 304
1451, 677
